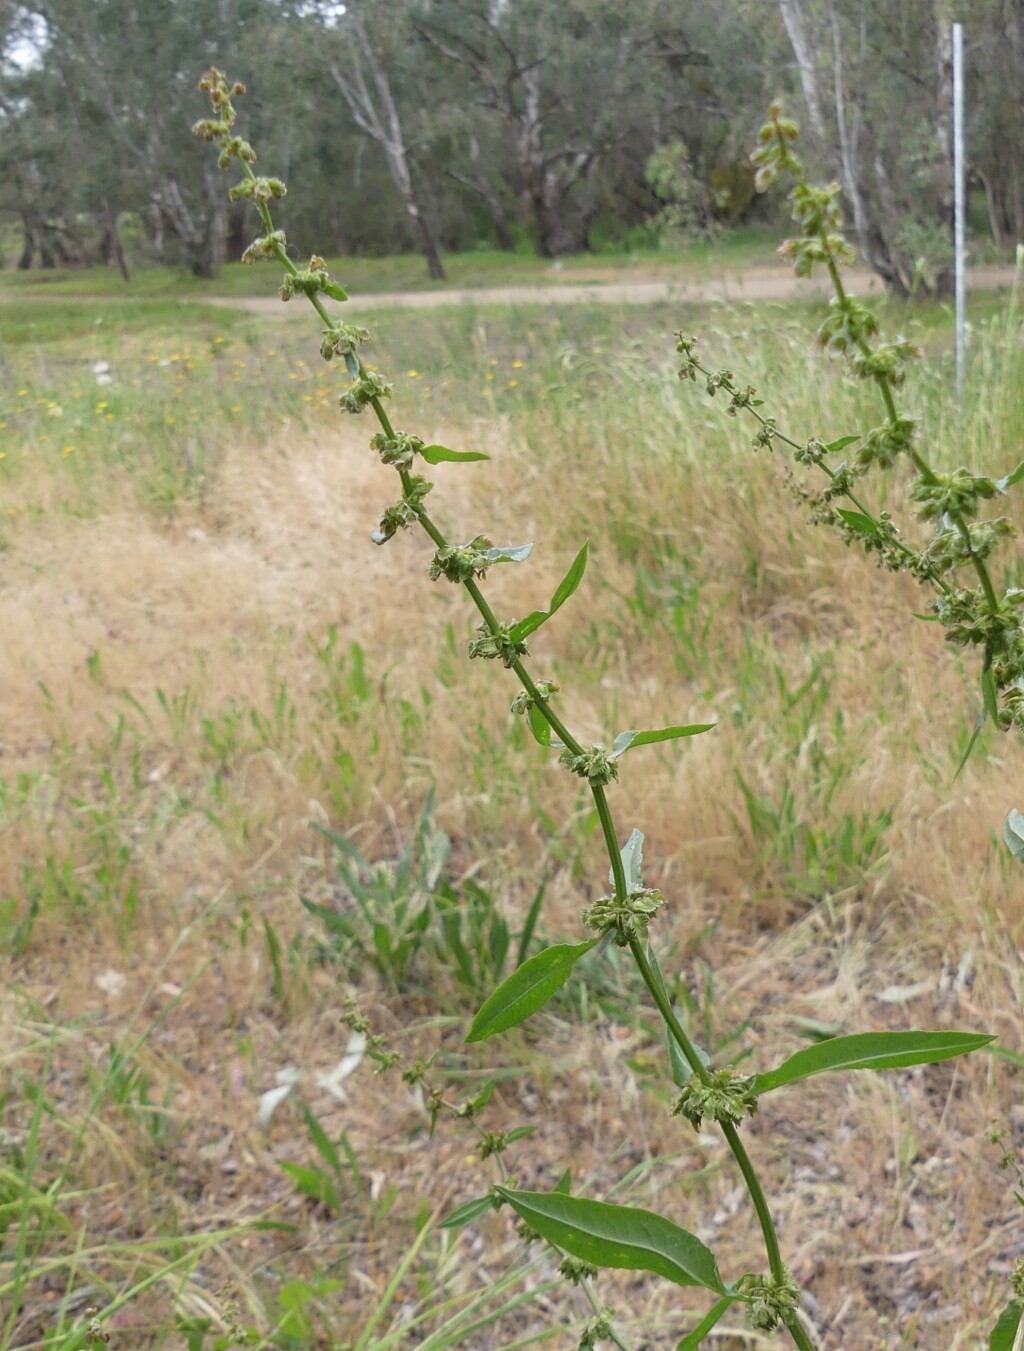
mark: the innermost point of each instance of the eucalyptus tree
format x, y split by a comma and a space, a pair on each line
876, 84
565, 86
367, 46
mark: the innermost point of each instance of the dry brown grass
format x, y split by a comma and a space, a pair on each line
890, 1202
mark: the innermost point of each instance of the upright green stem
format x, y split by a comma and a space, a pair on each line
611, 841
771, 1240
654, 986
673, 1024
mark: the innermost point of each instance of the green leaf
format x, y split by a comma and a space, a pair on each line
872, 1051
681, 1071
693, 1339
988, 693
325, 1146
565, 588
841, 444
623, 1237
1014, 476
1002, 1336
632, 855
541, 728
334, 922
438, 454
528, 989
564, 1183
511, 553
335, 291
519, 1133
1013, 834
313, 1182
539, 725
483, 1097
1004, 1053
626, 740
979, 723
856, 520
466, 1214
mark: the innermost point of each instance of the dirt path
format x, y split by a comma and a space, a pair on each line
756, 283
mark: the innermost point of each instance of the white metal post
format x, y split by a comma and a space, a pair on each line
959, 208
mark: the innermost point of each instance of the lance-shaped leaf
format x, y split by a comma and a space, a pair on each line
695, 1338
466, 1214
856, 520
632, 855
1013, 834
842, 443
519, 1133
1011, 478
623, 1237
438, 454
335, 291
565, 588
528, 989
626, 740
979, 723
511, 553
541, 728
1003, 1335
539, 725
872, 1051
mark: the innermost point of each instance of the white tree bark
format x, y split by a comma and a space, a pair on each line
376, 113
795, 22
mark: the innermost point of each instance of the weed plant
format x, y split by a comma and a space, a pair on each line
593, 1234
214, 678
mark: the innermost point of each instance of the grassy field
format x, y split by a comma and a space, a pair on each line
739, 248
206, 664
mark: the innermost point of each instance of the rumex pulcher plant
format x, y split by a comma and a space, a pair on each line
593, 1234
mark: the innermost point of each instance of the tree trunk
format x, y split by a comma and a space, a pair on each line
196, 242
425, 240
28, 246
561, 231
898, 277
1016, 187
994, 207
377, 115
47, 249
495, 208
796, 28
944, 109
110, 243
235, 240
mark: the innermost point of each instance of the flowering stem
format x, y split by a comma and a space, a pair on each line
920, 463
848, 493
541, 703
